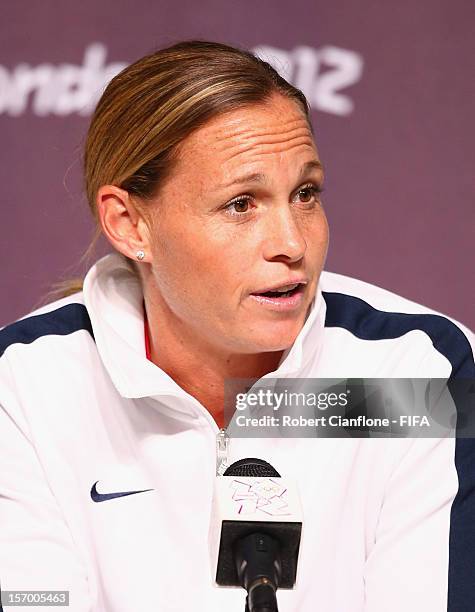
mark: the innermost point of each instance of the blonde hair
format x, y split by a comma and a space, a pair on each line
150, 107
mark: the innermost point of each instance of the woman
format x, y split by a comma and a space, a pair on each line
202, 171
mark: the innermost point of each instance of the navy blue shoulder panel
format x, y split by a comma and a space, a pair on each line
367, 323
60, 322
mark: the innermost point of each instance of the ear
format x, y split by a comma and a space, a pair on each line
123, 224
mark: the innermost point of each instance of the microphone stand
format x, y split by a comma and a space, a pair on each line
259, 569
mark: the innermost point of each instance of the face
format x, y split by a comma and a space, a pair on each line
238, 233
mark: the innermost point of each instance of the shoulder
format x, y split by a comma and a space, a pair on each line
45, 353
370, 313
376, 297
58, 319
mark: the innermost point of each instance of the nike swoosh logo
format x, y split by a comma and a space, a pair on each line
100, 497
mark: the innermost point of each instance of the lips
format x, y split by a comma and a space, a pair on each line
281, 289
284, 292
283, 297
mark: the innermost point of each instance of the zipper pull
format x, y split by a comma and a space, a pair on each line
222, 450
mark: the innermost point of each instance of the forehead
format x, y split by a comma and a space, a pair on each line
275, 132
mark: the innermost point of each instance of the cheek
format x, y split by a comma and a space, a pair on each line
196, 269
316, 235
321, 238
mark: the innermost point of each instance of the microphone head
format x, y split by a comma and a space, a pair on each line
251, 467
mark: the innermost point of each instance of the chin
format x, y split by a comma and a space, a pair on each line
275, 337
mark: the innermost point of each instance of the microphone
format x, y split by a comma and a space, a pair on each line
255, 531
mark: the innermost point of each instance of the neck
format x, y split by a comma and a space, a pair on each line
179, 353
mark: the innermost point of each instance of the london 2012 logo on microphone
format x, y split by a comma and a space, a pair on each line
265, 495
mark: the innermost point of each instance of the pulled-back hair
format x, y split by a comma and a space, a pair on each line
155, 103
150, 107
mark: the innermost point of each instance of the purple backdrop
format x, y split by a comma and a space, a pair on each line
390, 83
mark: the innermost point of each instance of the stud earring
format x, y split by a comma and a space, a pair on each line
140, 255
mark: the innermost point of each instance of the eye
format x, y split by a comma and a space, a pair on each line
239, 206
309, 193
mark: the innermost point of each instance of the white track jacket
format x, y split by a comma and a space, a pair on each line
82, 411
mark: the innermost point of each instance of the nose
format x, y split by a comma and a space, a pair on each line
284, 239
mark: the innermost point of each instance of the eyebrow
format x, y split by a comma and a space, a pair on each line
257, 177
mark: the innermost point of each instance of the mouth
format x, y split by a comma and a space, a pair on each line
285, 297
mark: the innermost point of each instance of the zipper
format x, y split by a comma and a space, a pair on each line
222, 438
222, 451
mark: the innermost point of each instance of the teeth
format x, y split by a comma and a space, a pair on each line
286, 288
